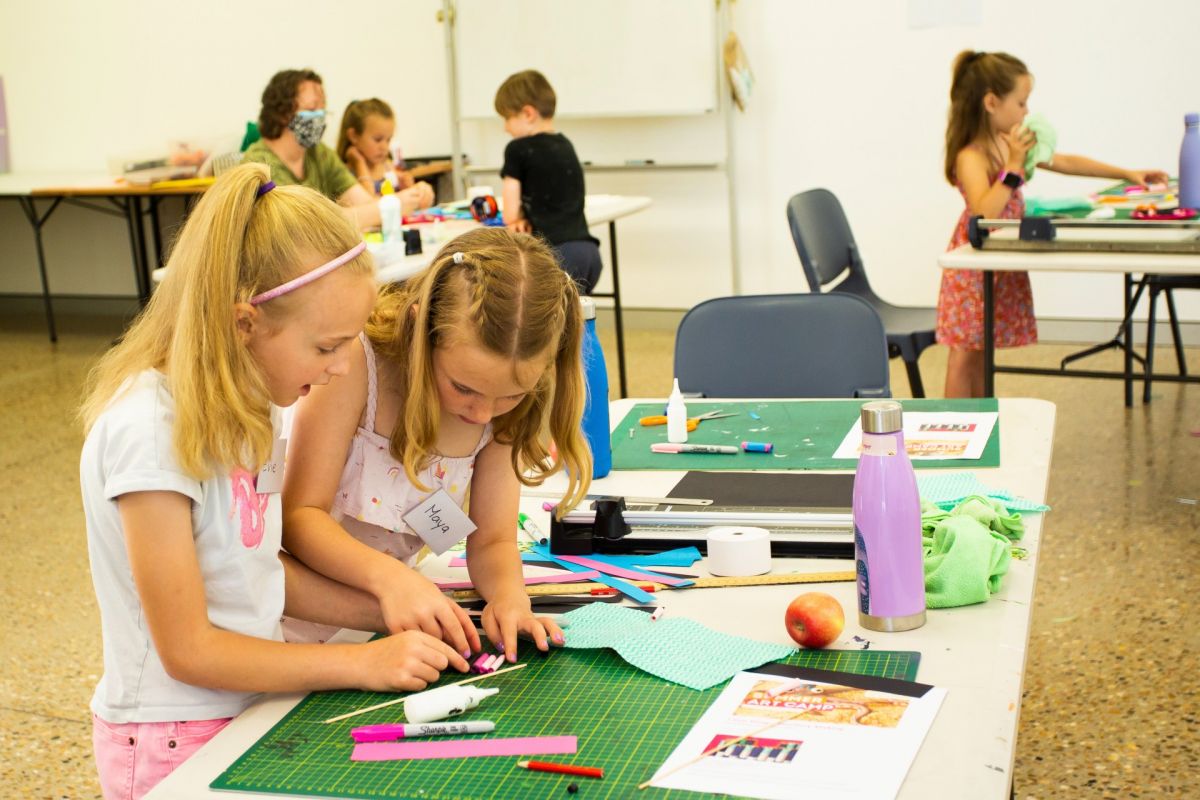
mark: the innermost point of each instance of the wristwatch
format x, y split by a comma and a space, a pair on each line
1012, 180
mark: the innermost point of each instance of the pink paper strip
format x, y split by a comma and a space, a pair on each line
570, 577
621, 572
464, 748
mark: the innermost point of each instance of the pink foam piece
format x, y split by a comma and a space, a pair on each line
621, 572
464, 748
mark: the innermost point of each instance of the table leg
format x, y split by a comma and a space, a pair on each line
30, 209
616, 295
137, 245
1128, 340
155, 231
989, 335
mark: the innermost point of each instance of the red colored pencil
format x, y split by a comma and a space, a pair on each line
566, 769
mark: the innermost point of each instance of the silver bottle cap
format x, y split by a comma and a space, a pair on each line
589, 307
881, 416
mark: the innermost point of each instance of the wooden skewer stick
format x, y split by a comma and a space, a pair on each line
402, 699
722, 746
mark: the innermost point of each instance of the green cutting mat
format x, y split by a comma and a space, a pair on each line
806, 434
627, 722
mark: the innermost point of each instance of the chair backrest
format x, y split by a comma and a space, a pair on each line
822, 237
783, 345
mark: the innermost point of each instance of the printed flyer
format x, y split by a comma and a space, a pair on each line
809, 735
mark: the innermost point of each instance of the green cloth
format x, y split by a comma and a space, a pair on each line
967, 550
251, 136
323, 170
1047, 142
1052, 206
948, 490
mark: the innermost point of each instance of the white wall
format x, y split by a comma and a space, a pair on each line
847, 97
89, 80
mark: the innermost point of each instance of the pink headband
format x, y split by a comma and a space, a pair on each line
309, 276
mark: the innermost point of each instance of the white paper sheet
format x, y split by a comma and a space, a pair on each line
934, 435
834, 741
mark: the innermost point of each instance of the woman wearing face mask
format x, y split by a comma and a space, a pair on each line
291, 122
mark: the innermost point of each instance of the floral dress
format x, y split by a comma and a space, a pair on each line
960, 301
374, 494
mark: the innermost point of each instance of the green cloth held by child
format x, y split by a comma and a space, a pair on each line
966, 550
1047, 142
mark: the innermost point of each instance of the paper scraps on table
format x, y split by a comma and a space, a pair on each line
946, 490
530, 580
464, 748
676, 649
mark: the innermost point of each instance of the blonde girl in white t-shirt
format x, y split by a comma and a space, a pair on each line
180, 475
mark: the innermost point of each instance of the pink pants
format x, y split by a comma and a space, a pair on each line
132, 757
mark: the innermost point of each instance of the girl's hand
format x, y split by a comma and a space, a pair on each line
406, 178
1020, 141
1145, 177
407, 661
356, 162
510, 614
520, 225
417, 196
411, 602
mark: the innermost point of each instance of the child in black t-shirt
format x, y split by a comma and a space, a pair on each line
543, 179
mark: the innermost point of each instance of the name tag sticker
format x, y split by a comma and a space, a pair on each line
270, 477
440, 522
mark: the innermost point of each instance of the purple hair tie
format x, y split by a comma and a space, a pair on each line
266, 187
309, 276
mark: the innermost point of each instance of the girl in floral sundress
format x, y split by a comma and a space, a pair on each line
986, 145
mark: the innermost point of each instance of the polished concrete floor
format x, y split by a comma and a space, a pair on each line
1112, 694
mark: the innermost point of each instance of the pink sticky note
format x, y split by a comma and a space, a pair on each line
621, 572
464, 748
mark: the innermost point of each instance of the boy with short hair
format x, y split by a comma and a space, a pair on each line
543, 180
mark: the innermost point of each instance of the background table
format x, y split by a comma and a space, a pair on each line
976, 652
1127, 264
100, 192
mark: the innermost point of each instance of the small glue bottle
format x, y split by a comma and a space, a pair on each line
390, 219
676, 416
447, 701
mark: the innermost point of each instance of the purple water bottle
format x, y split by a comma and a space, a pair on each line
1189, 163
887, 525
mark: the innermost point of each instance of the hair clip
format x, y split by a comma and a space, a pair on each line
458, 258
266, 187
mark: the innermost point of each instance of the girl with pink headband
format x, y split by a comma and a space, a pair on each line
181, 472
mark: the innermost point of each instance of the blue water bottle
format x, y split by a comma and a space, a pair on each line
595, 411
1189, 163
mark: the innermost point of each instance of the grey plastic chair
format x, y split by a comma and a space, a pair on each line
782, 345
827, 251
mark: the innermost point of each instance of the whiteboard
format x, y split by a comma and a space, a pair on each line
603, 57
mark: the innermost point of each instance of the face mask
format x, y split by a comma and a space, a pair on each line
308, 127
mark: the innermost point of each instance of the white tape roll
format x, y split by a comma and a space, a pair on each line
738, 552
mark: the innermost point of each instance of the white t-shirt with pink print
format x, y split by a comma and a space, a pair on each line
237, 534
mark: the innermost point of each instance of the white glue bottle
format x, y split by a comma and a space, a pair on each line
676, 416
446, 701
390, 219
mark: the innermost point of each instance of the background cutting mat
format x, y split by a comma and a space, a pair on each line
805, 434
627, 722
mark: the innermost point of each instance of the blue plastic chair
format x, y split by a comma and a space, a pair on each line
782, 345
827, 251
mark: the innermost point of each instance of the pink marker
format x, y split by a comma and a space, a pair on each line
391, 732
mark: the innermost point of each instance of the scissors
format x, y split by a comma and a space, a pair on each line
692, 421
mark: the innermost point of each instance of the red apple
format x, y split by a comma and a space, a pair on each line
814, 619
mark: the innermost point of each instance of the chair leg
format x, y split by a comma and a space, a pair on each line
1179, 358
914, 378
1148, 364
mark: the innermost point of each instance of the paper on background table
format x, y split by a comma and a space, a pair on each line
831, 748
464, 748
676, 649
932, 444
